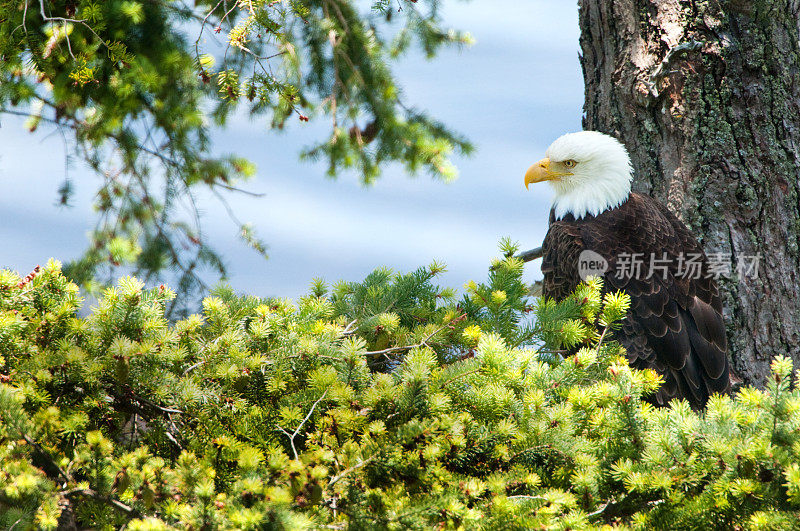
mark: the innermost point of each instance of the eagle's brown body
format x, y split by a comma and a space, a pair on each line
675, 324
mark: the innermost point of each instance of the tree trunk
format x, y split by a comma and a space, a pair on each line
706, 95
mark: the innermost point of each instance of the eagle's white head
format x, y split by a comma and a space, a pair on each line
590, 172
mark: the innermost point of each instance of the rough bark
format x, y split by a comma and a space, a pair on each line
706, 95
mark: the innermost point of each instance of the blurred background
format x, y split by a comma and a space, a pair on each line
512, 93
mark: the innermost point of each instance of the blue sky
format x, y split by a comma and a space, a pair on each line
511, 94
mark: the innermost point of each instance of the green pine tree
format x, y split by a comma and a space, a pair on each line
389, 404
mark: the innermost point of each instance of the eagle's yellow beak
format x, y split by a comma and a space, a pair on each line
540, 172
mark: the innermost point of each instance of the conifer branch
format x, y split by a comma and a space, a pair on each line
63, 20
202, 27
143, 402
423, 343
349, 329
47, 457
459, 376
91, 493
391, 349
528, 256
775, 409
238, 190
602, 336
525, 256
67, 477
544, 448
193, 367
353, 468
601, 509
153, 405
201, 362
297, 430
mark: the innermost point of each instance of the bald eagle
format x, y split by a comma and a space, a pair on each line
597, 225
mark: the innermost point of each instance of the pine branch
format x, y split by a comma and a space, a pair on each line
351, 469
297, 430
113, 502
525, 256
602, 336
350, 329
445, 383
67, 477
601, 509
423, 343
47, 457
526, 497
533, 254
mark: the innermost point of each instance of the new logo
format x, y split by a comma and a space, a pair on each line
590, 264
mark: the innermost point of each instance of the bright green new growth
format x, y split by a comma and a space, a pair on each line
383, 404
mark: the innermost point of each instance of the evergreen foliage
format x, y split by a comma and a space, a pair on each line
134, 88
273, 414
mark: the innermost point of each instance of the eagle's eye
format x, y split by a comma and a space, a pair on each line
570, 163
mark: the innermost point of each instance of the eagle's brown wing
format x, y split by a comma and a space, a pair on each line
675, 324
562, 247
